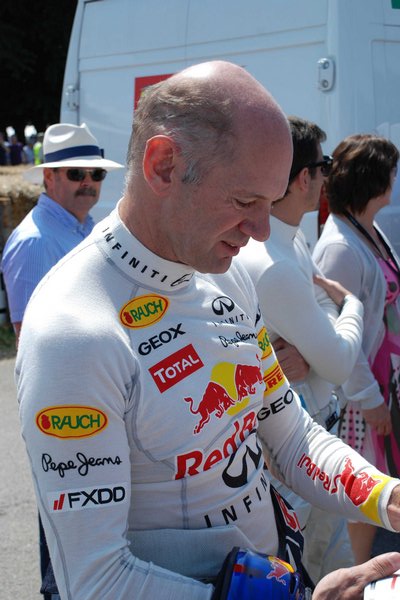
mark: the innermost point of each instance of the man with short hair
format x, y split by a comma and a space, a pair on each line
321, 322
72, 174
149, 392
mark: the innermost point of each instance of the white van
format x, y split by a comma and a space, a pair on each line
335, 62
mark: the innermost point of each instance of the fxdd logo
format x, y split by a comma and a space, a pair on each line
222, 305
143, 311
99, 497
71, 421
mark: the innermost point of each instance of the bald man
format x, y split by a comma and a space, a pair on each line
149, 393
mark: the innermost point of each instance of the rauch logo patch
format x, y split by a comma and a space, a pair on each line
143, 311
71, 421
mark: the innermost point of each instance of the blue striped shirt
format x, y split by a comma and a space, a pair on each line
46, 234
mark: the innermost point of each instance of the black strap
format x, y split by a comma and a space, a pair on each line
369, 237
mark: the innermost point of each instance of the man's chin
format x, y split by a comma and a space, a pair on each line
217, 268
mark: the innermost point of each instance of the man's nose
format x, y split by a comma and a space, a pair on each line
258, 227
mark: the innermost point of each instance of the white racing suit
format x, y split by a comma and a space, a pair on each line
149, 396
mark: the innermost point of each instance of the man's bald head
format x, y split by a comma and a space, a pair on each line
204, 109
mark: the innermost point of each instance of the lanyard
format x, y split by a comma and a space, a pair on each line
365, 233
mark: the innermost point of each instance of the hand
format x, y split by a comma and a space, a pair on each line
334, 289
393, 508
349, 584
293, 364
379, 419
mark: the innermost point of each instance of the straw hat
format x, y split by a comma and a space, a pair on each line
66, 145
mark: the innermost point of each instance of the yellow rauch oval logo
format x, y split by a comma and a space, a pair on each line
71, 421
143, 311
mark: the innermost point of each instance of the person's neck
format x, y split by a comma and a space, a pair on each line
366, 219
287, 211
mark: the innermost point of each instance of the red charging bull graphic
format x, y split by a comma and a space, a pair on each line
357, 487
231, 384
279, 570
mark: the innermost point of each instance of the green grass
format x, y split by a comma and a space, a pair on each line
7, 341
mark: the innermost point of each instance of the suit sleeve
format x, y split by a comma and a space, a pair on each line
337, 261
291, 309
316, 465
72, 409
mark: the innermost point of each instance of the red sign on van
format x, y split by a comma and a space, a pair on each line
142, 82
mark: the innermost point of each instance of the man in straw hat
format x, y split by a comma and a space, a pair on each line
72, 174
149, 393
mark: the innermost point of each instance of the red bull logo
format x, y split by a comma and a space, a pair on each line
228, 391
361, 488
280, 569
357, 487
143, 311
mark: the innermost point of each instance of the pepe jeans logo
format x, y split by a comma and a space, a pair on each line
71, 421
143, 311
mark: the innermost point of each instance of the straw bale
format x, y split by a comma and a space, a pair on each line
17, 198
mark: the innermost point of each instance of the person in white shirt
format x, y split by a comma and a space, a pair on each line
150, 396
303, 317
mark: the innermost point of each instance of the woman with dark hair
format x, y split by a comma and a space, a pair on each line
354, 251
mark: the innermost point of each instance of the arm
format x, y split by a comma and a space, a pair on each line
290, 359
316, 465
290, 309
24, 264
341, 263
83, 481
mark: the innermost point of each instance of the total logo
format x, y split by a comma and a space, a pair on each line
71, 421
228, 391
143, 311
79, 499
174, 368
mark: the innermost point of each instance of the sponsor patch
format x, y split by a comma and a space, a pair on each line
68, 421
92, 497
80, 462
157, 341
228, 391
274, 378
174, 368
362, 489
143, 311
198, 460
264, 344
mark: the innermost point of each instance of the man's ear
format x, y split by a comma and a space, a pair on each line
302, 179
48, 178
47, 174
159, 162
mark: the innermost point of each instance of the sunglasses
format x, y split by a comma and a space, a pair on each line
80, 174
325, 164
